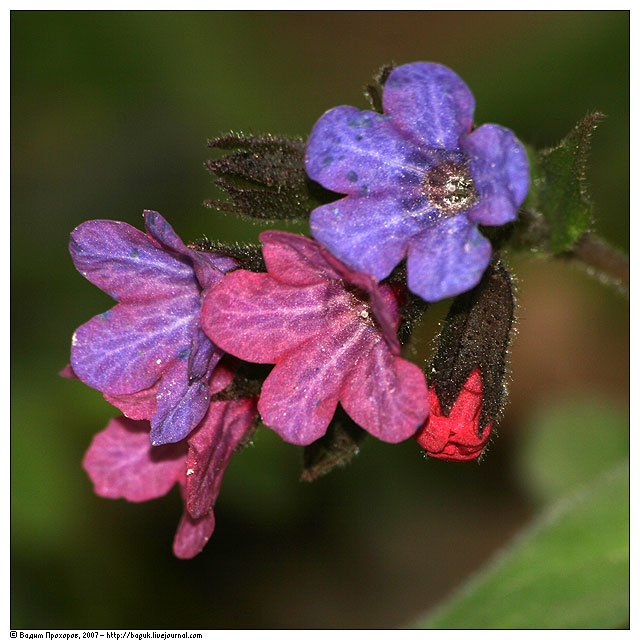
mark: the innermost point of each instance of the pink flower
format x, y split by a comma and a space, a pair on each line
456, 436
330, 331
122, 464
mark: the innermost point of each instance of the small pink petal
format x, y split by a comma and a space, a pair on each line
256, 318
386, 395
296, 260
193, 534
137, 406
68, 372
122, 463
300, 396
210, 450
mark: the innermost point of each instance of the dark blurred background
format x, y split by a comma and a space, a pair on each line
110, 115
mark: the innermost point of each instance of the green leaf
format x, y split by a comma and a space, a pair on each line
560, 186
568, 570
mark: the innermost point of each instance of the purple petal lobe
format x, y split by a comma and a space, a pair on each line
300, 395
447, 258
210, 449
430, 103
295, 260
127, 348
359, 152
126, 264
386, 395
500, 170
202, 350
122, 464
211, 267
192, 535
159, 229
370, 234
256, 318
181, 403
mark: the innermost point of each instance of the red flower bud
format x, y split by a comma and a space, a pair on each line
458, 435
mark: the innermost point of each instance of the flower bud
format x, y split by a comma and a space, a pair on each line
457, 436
466, 383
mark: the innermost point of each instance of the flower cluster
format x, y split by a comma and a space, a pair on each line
418, 181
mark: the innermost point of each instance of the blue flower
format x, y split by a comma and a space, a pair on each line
418, 182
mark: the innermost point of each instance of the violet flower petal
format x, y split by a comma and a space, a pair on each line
122, 464
209, 267
300, 395
358, 152
369, 234
446, 259
500, 170
202, 351
210, 450
127, 348
181, 405
192, 535
386, 395
126, 264
430, 103
157, 227
268, 319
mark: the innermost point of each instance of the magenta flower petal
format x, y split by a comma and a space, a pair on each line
357, 152
140, 405
122, 464
223, 375
447, 259
370, 234
387, 394
316, 333
192, 535
263, 321
296, 260
307, 256
210, 450
430, 103
126, 264
300, 395
500, 170
127, 348
68, 372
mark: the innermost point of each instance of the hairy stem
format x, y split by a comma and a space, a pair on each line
606, 262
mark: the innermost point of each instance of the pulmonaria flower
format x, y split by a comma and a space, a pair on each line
122, 464
458, 435
331, 332
148, 354
418, 182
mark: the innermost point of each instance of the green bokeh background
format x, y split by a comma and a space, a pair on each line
110, 115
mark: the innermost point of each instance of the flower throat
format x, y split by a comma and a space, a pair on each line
449, 187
